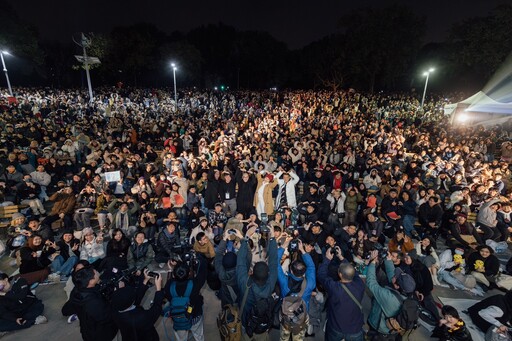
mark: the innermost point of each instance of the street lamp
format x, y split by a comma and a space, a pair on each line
5, 70
426, 73
174, 68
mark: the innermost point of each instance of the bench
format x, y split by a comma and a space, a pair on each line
6, 213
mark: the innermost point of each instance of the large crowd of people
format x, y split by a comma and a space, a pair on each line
283, 203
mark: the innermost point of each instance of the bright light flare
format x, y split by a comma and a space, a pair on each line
462, 118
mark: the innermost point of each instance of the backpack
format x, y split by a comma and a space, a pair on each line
259, 320
229, 320
294, 314
407, 317
180, 310
230, 323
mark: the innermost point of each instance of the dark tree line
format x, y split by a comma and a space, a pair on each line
375, 49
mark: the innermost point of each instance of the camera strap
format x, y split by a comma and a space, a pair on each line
349, 293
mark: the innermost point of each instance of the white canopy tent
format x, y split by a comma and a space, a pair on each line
479, 109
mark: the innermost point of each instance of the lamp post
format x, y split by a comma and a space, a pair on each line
426, 73
174, 68
5, 70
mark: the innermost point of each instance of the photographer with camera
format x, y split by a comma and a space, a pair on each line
296, 288
91, 307
185, 307
257, 289
134, 322
345, 318
225, 265
388, 303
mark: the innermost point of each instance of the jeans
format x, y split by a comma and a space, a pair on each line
30, 316
334, 335
448, 278
408, 223
64, 266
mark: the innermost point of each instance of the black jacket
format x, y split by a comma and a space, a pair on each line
94, 313
16, 301
138, 324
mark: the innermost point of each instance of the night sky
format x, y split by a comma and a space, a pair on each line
297, 23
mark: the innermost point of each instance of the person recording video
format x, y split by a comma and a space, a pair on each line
91, 307
135, 322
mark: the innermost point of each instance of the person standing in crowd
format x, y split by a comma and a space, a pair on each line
257, 289
93, 311
286, 196
134, 322
345, 317
300, 281
186, 279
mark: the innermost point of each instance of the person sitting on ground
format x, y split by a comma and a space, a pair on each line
68, 254
452, 270
204, 246
483, 265
140, 253
401, 242
28, 194
117, 254
63, 207
35, 263
493, 312
451, 327
463, 233
86, 203
125, 218
91, 248
167, 242
19, 308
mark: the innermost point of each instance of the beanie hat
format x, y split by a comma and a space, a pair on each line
17, 216
405, 281
260, 272
123, 298
229, 260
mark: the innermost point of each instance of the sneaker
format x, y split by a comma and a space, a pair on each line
64, 278
34, 286
54, 277
161, 265
41, 320
72, 318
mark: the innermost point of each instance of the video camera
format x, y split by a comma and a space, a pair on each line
111, 283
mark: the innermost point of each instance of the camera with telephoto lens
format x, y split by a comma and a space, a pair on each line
110, 284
